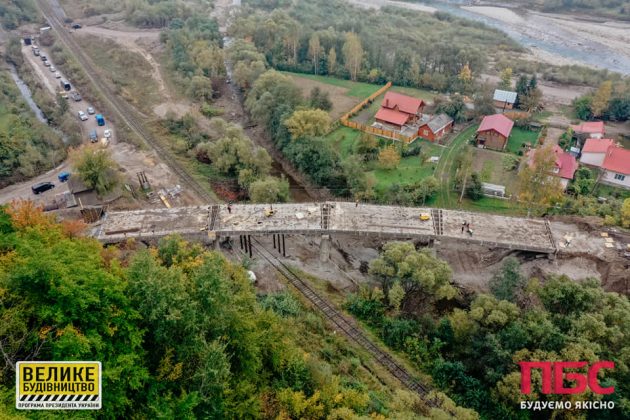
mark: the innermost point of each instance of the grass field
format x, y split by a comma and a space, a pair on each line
342, 140
519, 137
410, 170
356, 89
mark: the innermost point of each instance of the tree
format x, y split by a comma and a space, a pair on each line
601, 99
625, 213
465, 77
531, 101
484, 103
582, 183
506, 79
583, 107
474, 189
308, 122
506, 284
314, 50
537, 186
389, 157
417, 271
95, 167
271, 90
353, 54
269, 190
521, 88
319, 99
366, 146
332, 60
455, 108
361, 184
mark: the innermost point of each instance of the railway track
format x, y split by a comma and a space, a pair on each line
123, 111
344, 325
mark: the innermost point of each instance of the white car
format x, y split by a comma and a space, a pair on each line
82, 116
52, 69
47, 63
90, 110
57, 75
107, 133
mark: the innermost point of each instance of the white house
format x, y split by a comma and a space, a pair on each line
594, 151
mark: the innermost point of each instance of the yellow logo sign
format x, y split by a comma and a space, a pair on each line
58, 386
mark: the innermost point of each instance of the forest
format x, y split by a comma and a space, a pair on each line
405, 47
471, 344
179, 330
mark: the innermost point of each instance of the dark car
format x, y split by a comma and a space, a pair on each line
42, 187
76, 26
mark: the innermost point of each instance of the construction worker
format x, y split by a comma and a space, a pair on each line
229, 207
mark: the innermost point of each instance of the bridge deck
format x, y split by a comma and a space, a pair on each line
328, 218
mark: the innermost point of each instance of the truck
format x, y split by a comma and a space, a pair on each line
100, 121
65, 85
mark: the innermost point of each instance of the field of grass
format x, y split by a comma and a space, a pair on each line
519, 137
342, 139
423, 94
357, 89
410, 170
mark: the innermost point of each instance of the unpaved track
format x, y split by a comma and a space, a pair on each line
123, 111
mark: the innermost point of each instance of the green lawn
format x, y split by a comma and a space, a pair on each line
355, 89
423, 94
410, 170
342, 140
519, 137
602, 190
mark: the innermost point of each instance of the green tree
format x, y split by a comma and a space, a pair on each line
583, 107
319, 99
625, 213
601, 99
389, 157
474, 189
308, 122
95, 167
507, 283
417, 271
269, 190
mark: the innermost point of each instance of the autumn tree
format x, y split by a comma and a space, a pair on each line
308, 122
389, 157
353, 54
625, 213
506, 79
332, 60
538, 187
314, 50
601, 99
95, 167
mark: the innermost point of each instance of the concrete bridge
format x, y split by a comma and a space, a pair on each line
209, 224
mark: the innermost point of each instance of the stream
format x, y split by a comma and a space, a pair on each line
26, 94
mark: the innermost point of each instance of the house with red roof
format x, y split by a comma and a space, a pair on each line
494, 131
591, 129
617, 167
398, 110
594, 151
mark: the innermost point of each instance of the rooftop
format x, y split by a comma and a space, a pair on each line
438, 122
406, 104
597, 145
591, 127
497, 122
504, 96
617, 160
392, 116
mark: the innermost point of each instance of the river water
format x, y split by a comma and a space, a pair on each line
26, 94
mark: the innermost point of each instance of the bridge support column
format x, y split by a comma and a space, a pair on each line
217, 243
324, 248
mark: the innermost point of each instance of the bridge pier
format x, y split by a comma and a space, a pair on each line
324, 248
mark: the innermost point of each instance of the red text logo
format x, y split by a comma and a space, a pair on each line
553, 377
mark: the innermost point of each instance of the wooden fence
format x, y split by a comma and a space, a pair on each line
345, 119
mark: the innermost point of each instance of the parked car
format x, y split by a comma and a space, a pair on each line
107, 133
63, 94
42, 187
93, 136
76, 96
47, 63
63, 176
100, 121
36, 52
82, 116
52, 69
76, 26
58, 75
43, 57
90, 110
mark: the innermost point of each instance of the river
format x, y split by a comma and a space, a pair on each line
554, 38
26, 94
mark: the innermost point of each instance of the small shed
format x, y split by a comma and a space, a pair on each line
436, 127
504, 99
493, 190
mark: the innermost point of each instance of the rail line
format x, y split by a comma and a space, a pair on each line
119, 107
341, 323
